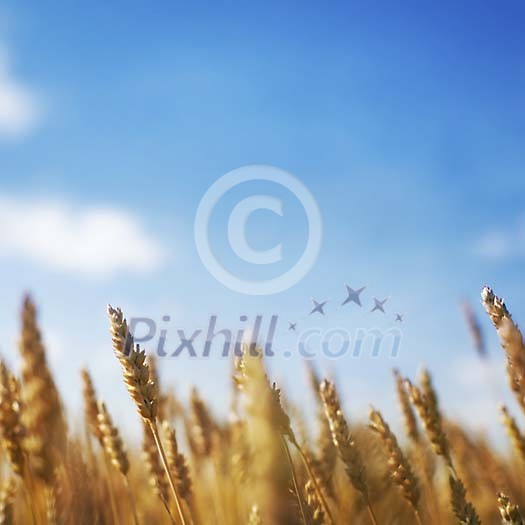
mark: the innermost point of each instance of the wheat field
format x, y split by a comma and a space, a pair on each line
261, 465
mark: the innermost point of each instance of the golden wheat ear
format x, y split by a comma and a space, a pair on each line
510, 514
511, 340
345, 444
136, 370
157, 479
91, 409
12, 430
202, 426
113, 445
141, 387
255, 516
409, 418
342, 438
324, 459
463, 509
43, 415
313, 503
398, 466
475, 330
269, 471
114, 448
424, 398
425, 403
516, 436
177, 463
7, 497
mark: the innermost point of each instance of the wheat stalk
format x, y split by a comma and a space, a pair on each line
517, 438
177, 463
241, 453
475, 330
399, 467
255, 516
43, 415
51, 506
202, 426
284, 424
91, 409
113, 445
11, 427
140, 386
91, 427
315, 508
156, 473
463, 509
114, 448
342, 439
135, 369
511, 340
269, 475
409, 418
425, 402
344, 443
510, 514
323, 463
7, 496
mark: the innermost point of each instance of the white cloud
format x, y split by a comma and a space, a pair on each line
479, 387
19, 107
502, 244
471, 372
63, 237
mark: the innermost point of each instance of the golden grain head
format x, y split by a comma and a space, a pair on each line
510, 514
7, 497
399, 468
462, 508
342, 438
137, 376
113, 444
12, 430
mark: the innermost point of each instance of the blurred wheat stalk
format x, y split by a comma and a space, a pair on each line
262, 466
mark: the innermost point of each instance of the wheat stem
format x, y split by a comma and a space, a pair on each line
371, 512
111, 490
131, 500
155, 431
314, 481
294, 479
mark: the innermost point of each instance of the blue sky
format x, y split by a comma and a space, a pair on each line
406, 123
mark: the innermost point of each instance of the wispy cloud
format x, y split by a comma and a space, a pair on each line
479, 388
19, 106
60, 236
503, 243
